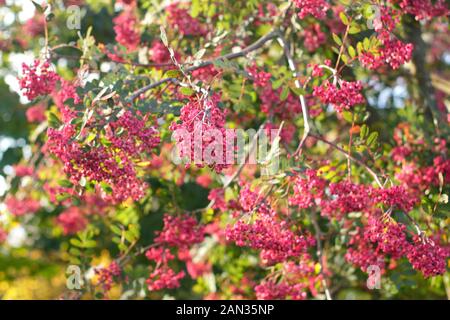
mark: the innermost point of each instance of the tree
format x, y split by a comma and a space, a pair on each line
231, 149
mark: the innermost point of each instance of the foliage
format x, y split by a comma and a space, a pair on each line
351, 97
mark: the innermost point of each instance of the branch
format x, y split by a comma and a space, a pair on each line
229, 56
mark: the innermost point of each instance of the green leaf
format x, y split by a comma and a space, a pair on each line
82, 182
164, 36
344, 58
76, 243
337, 39
363, 132
277, 84
348, 116
116, 230
352, 52
174, 73
354, 29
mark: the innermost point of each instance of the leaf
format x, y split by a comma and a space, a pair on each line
187, 91
116, 230
354, 29
76, 243
53, 120
337, 39
344, 58
164, 36
348, 116
38, 7
90, 244
277, 84
364, 132
344, 18
196, 8
284, 93
173, 73
372, 139
65, 184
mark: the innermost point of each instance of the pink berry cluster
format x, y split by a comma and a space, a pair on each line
38, 79
338, 199
159, 53
36, 114
66, 91
23, 170
380, 235
260, 78
344, 97
35, 26
294, 282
